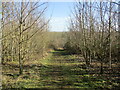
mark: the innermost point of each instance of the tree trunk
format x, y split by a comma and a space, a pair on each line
101, 68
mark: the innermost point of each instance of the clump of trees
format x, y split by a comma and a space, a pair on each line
93, 32
24, 31
57, 40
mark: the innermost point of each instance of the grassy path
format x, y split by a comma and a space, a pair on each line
68, 71
59, 70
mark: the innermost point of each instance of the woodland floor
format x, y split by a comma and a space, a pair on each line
60, 70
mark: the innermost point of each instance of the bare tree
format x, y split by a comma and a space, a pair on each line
25, 20
93, 33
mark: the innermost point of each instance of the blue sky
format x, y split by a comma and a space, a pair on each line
60, 12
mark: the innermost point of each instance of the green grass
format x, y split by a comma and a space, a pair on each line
58, 70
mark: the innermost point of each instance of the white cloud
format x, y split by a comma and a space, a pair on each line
59, 23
